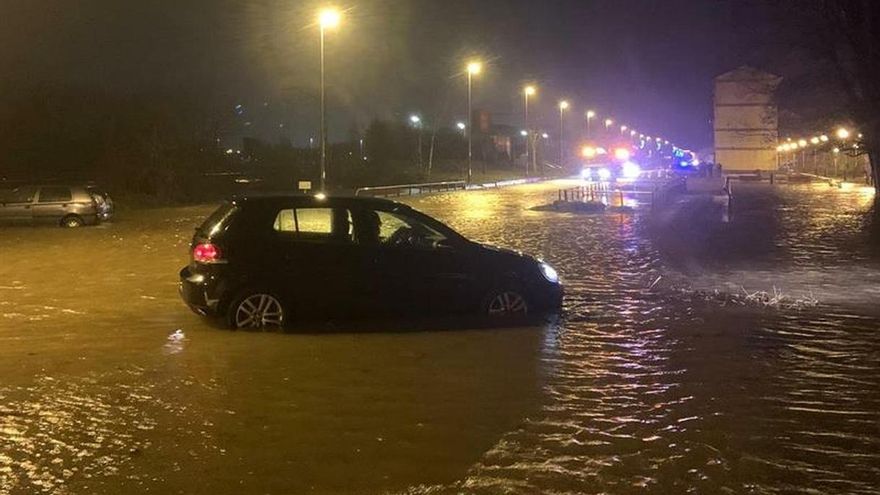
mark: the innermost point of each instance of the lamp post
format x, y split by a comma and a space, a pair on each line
473, 68
563, 106
590, 114
417, 123
327, 18
528, 91
835, 152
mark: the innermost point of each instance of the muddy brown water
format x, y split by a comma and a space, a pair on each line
643, 386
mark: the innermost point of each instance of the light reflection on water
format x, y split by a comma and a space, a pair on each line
639, 388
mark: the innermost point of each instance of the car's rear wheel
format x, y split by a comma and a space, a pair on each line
507, 303
257, 311
72, 221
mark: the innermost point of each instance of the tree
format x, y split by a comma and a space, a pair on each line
847, 34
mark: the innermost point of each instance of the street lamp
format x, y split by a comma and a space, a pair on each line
842, 133
623, 129
473, 68
461, 127
590, 114
328, 18
608, 123
528, 91
563, 106
417, 123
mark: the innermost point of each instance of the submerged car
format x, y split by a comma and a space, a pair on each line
262, 262
66, 206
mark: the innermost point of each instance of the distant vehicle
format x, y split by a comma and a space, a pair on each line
65, 206
103, 201
261, 262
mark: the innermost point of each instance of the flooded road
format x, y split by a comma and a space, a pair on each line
650, 382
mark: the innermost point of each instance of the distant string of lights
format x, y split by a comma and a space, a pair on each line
842, 135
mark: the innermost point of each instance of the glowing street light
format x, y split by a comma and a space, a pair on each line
528, 91
328, 18
608, 123
842, 133
589, 115
823, 138
814, 140
802, 143
563, 106
474, 67
416, 121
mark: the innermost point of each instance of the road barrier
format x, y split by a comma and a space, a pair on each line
411, 189
657, 191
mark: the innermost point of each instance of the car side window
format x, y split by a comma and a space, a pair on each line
18, 195
54, 194
327, 224
394, 229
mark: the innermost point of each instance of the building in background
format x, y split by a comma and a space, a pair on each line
746, 120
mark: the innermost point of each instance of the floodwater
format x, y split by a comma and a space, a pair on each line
661, 376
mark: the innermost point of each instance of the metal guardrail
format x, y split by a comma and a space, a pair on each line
657, 192
411, 189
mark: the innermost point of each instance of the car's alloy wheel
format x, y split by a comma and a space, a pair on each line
72, 222
259, 311
507, 303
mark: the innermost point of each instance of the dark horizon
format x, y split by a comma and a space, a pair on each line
649, 66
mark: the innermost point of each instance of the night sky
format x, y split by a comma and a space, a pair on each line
649, 64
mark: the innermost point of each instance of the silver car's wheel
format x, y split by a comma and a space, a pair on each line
507, 303
72, 221
259, 311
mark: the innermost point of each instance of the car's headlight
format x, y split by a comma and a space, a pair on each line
549, 273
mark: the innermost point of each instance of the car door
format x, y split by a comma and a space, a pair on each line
416, 270
51, 204
16, 205
320, 265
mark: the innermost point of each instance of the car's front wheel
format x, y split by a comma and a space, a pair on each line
506, 303
256, 310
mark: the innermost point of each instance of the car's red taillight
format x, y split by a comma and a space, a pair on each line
206, 253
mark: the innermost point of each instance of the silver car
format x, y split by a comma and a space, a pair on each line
65, 206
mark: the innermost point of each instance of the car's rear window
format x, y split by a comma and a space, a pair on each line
218, 220
18, 195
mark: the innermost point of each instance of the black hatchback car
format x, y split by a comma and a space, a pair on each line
261, 262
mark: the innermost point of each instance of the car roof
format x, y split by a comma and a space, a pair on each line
309, 199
